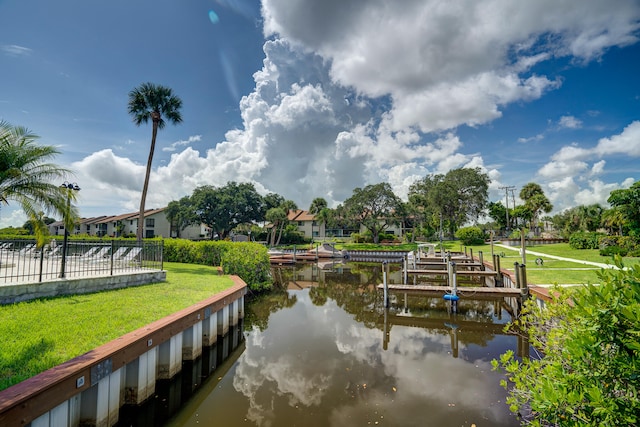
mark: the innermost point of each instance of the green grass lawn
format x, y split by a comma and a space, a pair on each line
552, 270
37, 335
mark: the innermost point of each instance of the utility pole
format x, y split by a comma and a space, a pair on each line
506, 190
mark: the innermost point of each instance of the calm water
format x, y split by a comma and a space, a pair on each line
322, 351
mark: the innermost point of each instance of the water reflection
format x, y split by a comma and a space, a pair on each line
322, 351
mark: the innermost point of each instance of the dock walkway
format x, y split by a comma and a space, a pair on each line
462, 291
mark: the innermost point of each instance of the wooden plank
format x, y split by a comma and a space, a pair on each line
440, 290
459, 273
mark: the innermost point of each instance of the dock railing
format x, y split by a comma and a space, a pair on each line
22, 262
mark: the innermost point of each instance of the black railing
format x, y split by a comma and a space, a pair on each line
22, 262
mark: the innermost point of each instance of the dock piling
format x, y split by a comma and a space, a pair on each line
386, 285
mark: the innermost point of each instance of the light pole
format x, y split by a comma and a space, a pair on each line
69, 186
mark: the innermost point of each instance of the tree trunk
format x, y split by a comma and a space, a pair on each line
155, 116
274, 229
280, 234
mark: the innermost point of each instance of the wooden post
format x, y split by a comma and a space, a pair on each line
481, 259
523, 246
523, 279
386, 286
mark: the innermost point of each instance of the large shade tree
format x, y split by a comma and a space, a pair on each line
224, 208
28, 177
158, 104
375, 207
458, 197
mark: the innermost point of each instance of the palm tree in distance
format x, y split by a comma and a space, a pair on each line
155, 102
27, 177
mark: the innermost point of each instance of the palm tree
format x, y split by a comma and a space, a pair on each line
316, 206
27, 177
155, 102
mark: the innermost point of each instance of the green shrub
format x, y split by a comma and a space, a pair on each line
470, 235
251, 262
582, 240
229, 255
613, 251
589, 371
360, 238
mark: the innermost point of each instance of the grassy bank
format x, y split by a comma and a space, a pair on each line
37, 335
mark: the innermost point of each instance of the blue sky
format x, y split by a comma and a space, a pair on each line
313, 99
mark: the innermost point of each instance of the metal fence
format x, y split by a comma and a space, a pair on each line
21, 261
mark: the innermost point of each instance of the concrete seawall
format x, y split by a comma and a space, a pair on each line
90, 389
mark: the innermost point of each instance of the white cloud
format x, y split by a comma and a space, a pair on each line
15, 50
597, 192
354, 93
174, 146
628, 142
598, 167
573, 162
569, 122
11, 216
562, 168
449, 63
538, 137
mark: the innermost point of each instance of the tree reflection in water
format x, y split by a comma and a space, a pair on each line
321, 350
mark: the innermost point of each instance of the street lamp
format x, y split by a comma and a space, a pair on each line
69, 186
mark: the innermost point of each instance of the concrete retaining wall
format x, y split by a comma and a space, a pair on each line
10, 294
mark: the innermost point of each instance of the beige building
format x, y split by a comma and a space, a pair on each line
311, 228
156, 225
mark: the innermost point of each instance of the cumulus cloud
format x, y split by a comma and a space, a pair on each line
628, 142
443, 63
571, 160
570, 175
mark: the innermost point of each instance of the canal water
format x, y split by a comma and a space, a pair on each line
322, 350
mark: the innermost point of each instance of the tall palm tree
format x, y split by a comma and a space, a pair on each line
152, 102
27, 177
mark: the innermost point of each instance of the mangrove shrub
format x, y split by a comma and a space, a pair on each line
587, 372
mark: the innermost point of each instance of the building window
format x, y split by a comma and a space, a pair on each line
149, 222
300, 223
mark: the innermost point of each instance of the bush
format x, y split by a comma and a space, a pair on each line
251, 262
229, 255
589, 371
613, 251
470, 235
582, 240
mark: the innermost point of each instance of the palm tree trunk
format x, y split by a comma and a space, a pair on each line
140, 232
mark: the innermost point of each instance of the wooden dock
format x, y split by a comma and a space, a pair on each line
458, 272
462, 291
